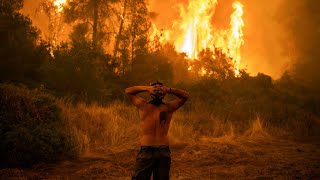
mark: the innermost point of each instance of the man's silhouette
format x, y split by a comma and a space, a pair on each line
154, 156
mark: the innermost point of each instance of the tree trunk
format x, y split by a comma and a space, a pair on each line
95, 23
134, 26
116, 46
132, 52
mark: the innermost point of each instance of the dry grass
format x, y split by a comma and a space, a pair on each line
114, 125
117, 126
257, 130
203, 147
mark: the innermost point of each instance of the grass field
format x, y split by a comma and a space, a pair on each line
203, 147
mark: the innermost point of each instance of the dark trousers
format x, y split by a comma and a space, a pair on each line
154, 160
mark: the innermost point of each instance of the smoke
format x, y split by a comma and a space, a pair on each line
302, 22
32, 9
167, 12
47, 19
264, 38
287, 37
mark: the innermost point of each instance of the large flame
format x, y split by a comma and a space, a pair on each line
197, 33
196, 27
59, 4
236, 35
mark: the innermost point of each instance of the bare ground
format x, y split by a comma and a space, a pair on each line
210, 158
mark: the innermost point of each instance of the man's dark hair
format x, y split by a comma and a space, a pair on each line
155, 83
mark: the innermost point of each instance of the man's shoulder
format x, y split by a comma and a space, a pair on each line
150, 106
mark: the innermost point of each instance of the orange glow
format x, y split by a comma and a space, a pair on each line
236, 35
59, 4
196, 27
194, 31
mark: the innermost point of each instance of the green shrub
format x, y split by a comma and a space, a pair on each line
32, 128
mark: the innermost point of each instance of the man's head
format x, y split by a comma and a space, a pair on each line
158, 93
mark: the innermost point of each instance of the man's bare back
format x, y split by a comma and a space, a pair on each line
155, 122
156, 116
154, 156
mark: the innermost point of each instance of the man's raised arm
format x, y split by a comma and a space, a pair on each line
182, 95
132, 92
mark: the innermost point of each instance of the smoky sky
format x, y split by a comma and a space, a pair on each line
32, 9
302, 21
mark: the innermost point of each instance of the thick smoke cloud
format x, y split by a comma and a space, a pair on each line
40, 19
32, 9
302, 21
264, 38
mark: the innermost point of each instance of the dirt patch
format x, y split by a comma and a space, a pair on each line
210, 158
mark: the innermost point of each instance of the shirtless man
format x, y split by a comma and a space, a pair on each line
154, 156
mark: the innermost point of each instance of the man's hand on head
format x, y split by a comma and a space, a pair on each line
158, 89
151, 90
165, 89
155, 90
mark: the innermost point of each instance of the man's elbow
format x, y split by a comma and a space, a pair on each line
127, 91
187, 96
184, 98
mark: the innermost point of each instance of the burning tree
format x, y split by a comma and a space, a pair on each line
194, 32
212, 65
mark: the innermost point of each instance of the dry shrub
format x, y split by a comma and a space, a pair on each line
32, 128
257, 130
181, 130
114, 125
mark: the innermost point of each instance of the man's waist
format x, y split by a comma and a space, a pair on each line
149, 140
155, 147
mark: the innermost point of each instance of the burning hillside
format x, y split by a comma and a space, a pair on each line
194, 31
247, 34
